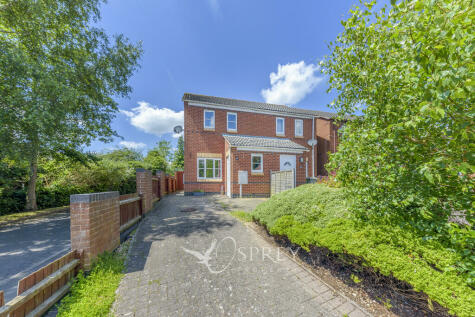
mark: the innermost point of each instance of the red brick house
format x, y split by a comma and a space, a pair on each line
224, 136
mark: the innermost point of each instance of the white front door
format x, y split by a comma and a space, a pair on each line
288, 162
228, 176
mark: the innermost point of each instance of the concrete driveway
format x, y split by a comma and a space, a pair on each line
27, 246
204, 262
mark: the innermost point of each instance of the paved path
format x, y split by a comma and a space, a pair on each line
240, 275
27, 246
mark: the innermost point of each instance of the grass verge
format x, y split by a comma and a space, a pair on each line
94, 294
315, 215
242, 215
4, 219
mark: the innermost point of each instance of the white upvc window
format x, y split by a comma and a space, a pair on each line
256, 163
280, 126
232, 121
298, 127
208, 119
209, 168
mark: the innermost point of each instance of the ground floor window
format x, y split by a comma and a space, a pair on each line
256, 163
209, 168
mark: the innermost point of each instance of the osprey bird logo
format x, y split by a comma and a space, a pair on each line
204, 258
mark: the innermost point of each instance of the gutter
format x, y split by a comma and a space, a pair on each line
313, 147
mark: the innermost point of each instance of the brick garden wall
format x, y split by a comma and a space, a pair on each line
95, 223
145, 187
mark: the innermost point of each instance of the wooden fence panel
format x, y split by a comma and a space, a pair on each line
281, 180
130, 209
179, 180
39, 290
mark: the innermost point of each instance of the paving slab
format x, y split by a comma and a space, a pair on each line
206, 263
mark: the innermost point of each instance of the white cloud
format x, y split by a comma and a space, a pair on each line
127, 113
154, 120
291, 83
133, 145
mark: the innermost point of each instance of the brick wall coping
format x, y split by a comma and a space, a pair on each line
89, 198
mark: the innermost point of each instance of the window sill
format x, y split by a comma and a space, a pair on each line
217, 180
231, 131
280, 135
257, 173
208, 129
299, 136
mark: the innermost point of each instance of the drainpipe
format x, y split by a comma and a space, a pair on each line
313, 147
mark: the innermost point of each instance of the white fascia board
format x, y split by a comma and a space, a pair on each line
276, 113
274, 150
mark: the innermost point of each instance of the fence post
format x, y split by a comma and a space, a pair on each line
2, 299
144, 187
141, 205
95, 224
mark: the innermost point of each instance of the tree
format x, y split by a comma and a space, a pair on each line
158, 158
179, 155
58, 76
408, 160
124, 154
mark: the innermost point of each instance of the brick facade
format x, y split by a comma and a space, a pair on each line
211, 143
95, 222
145, 188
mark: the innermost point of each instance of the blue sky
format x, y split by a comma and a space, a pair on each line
226, 48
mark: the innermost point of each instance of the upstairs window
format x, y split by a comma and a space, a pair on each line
209, 119
256, 163
232, 121
298, 127
209, 168
280, 126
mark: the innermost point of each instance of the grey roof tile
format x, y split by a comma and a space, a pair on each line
262, 141
253, 105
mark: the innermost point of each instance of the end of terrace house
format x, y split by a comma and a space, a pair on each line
225, 137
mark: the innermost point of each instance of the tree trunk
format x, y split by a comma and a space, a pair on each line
31, 192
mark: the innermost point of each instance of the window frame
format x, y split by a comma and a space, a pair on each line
295, 127
227, 121
204, 119
276, 126
205, 168
261, 170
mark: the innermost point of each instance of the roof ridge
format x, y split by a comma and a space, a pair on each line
258, 104
237, 99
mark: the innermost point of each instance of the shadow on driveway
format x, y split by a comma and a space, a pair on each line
168, 220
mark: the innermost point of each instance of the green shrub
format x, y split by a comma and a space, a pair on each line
408, 159
427, 265
315, 203
94, 294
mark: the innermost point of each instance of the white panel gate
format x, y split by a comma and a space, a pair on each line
281, 180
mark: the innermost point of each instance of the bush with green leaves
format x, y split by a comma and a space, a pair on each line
94, 294
315, 203
409, 158
315, 215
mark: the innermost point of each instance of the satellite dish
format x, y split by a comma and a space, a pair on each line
312, 142
178, 129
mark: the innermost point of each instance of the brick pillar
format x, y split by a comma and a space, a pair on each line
144, 188
95, 223
163, 188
